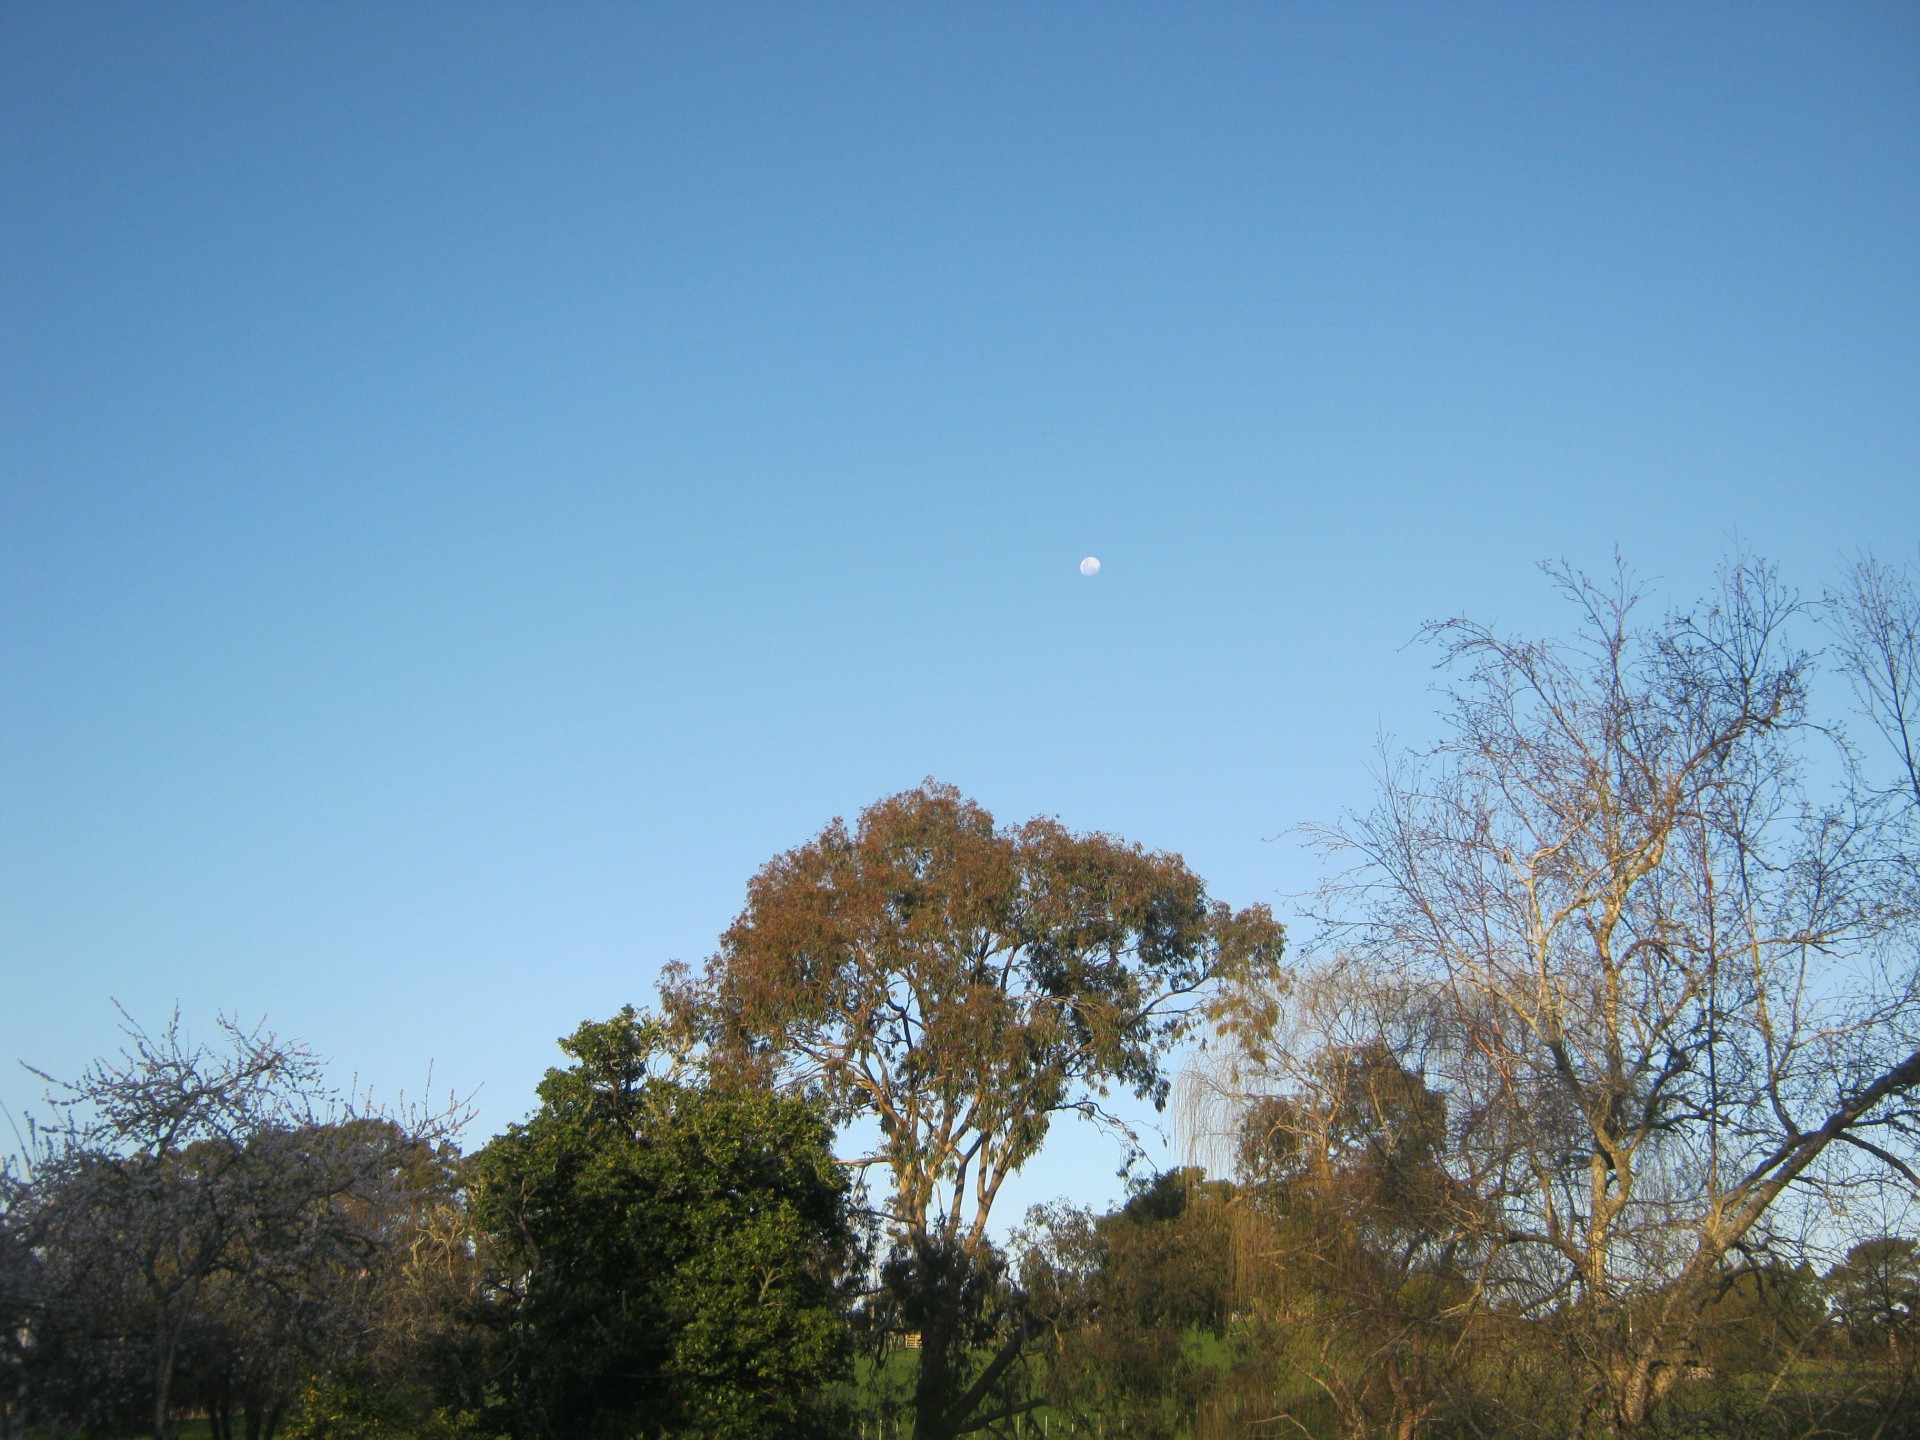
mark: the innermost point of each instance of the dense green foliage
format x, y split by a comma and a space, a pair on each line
672, 1252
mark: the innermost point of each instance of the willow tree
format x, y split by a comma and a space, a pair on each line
957, 985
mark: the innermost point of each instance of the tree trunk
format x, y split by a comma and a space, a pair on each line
163, 1384
933, 1386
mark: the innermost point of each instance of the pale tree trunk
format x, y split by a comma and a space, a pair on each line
163, 1383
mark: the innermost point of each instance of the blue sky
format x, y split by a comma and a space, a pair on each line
476, 481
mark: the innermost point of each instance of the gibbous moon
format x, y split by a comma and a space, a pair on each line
1090, 566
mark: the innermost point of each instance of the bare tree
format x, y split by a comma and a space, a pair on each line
185, 1189
1876, 622
1681, 986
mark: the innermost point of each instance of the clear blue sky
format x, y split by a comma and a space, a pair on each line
475, 481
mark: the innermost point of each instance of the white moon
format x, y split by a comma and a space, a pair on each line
1090, 566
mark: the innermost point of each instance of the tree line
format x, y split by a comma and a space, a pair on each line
1589, 1110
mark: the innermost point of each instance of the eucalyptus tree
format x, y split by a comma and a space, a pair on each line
957, 985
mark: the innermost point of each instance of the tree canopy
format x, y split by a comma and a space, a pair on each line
1593, 1109
672, 1252
960, 984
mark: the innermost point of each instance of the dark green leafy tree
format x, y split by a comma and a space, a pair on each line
671, 1252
